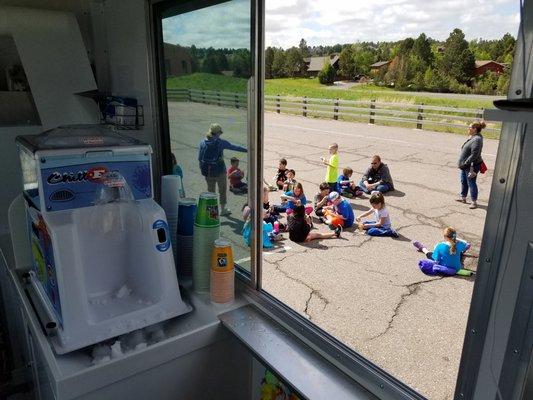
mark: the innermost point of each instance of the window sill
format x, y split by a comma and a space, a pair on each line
292, 360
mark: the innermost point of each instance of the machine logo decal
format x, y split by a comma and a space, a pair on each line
96, 174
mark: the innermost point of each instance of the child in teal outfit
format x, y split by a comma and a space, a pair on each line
449, 252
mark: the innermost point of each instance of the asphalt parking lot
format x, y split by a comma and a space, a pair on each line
367, 292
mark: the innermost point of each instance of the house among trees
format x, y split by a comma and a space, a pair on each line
178, 60
483, 66
379, 66
315, 64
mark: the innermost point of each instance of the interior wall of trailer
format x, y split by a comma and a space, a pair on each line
119, 54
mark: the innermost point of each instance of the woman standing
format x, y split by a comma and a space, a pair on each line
212, 165
470, 162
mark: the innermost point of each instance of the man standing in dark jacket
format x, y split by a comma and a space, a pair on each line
212, 165
470, 162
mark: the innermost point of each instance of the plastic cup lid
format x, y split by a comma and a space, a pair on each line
222, 242
187, 201
208, 195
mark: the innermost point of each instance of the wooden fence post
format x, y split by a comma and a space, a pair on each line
218, 97
278, 104
420, 117
336, 109
203, 97
189, 94
480, 114
372, 113
236, 100
304, 106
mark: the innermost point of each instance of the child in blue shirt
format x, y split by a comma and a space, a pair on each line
339, 213
345, 186
448, 253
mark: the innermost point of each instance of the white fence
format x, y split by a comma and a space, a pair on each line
372, 111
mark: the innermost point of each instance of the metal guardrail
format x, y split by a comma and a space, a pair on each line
371, 111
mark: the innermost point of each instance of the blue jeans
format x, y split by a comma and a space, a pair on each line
468, 183
375, 231
383, 187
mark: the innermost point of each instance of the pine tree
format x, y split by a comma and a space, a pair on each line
304, 49
347, 63
458, 61
279, 64
326, 76
269, 58
294, 62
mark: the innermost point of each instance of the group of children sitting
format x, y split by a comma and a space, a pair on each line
330, 207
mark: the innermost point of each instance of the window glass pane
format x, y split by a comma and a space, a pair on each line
377, 93
208, 66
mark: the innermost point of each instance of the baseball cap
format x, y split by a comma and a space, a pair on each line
333, 196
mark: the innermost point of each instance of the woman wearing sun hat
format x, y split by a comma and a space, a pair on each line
212, 165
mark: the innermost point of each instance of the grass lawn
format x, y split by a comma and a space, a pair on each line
312, 88
204, 81
299, 87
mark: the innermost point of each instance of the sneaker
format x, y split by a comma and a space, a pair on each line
461, 199
394, 234
331, 226
473, 205
321, 220
419, 246
359, 193
225, 211
468, 245
374, 192
338, 231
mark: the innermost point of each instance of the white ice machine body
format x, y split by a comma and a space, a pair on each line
102, 258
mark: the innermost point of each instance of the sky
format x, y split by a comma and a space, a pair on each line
327, 22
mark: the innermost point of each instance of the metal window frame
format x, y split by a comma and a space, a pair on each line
167, 8
362, 370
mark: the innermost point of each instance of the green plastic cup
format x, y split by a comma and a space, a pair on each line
207, 211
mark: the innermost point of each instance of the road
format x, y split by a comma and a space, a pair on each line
367, 292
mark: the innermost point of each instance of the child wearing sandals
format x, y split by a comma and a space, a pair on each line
381, 225
449, 252
299, 226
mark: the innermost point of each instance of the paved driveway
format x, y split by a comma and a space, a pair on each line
368, 292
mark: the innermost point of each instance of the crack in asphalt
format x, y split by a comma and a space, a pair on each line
412, 289
313, 291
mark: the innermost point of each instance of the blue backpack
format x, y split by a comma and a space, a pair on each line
210, 156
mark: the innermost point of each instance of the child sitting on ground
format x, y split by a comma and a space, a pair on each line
281, 175
290, 182
299, 225
269, 216
321, 200
235, 176
381, 225
292, 199
347, 187
448, 253
339, 213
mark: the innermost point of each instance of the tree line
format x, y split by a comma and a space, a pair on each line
415, 64
215, 61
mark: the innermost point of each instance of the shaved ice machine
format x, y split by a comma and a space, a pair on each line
102, 257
